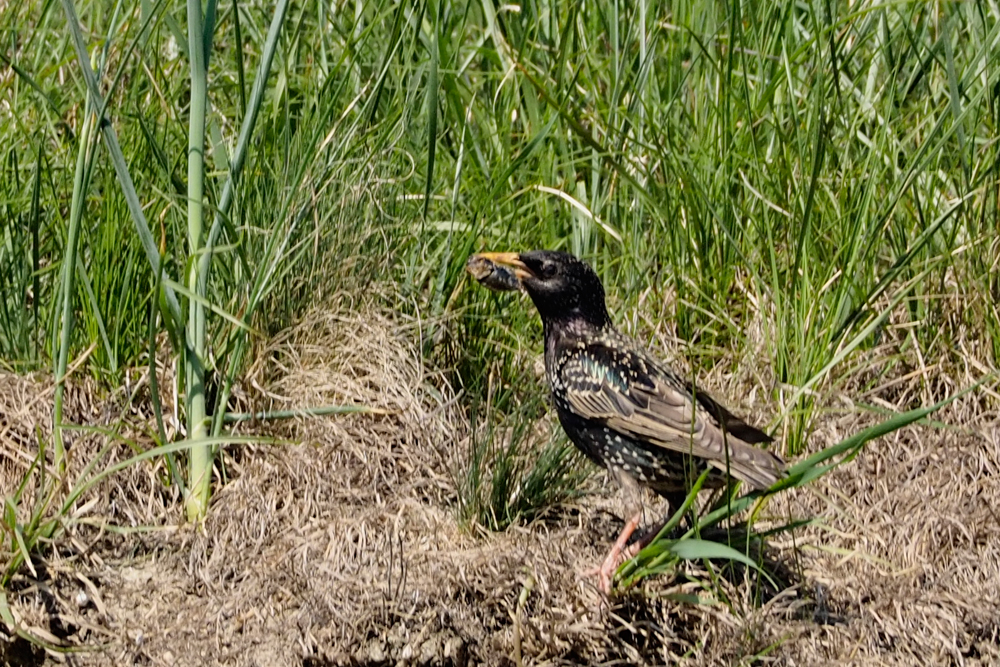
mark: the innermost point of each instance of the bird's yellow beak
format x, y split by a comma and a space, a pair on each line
509, 259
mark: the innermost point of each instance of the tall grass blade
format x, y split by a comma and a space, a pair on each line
115, 151
432, 108
69, 263
34, 224
246, 133
200, 457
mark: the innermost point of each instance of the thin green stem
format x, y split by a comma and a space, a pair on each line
200, 461
68, 283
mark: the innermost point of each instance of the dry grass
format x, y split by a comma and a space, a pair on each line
346, 549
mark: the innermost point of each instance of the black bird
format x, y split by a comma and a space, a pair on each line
621, 407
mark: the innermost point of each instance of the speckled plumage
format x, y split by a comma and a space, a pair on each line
623, 408
628, 413
620, 406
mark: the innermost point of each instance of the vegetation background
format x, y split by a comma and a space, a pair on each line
771, 191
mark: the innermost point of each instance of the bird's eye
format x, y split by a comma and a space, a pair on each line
548, 270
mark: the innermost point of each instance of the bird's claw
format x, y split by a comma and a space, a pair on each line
619, 554
604, 574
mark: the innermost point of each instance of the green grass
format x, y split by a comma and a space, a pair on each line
788, 185
514, 473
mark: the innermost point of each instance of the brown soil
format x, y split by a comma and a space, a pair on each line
346, 550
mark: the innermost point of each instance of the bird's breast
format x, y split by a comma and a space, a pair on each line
661, 470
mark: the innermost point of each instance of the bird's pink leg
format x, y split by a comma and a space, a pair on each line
614, 558
620, 553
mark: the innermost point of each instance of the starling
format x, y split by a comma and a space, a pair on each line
622, 408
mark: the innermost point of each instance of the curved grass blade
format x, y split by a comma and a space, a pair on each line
117, 158
658, 556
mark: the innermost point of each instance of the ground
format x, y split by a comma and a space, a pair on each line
338, 541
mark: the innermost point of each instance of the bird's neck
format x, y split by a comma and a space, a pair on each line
572, 310
575, 327
572, 332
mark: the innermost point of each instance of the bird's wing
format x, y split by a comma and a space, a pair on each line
732, 424
636, 398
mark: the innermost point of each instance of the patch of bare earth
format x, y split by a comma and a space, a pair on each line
345, 549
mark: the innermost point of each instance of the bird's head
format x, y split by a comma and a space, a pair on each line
562, 287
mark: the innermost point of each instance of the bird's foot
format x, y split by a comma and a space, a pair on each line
619, 554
